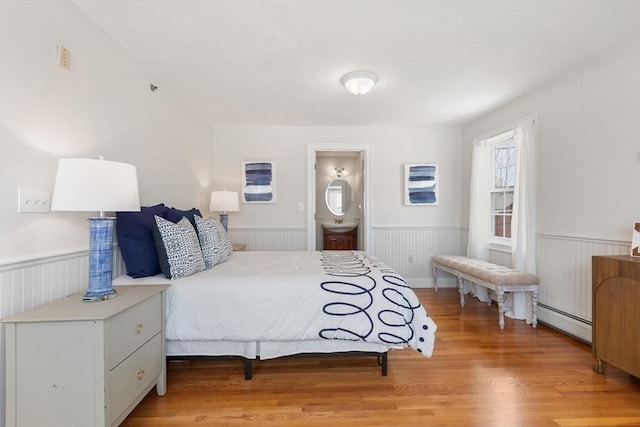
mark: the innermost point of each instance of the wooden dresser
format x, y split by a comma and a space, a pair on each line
72, 363
616, 313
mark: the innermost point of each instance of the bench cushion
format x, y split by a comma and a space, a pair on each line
486, 271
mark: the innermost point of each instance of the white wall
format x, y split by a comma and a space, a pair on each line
398, 231
101, 106
588, 174
588, 147
391, 147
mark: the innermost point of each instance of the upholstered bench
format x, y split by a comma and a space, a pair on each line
498, 278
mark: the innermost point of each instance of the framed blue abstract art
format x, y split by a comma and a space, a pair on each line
421, 185
258, 182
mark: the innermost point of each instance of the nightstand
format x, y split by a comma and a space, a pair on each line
72, 363
237, 247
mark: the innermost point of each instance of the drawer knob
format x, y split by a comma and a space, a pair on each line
140, 374
139, 328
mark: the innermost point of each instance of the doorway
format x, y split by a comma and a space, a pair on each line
325, 162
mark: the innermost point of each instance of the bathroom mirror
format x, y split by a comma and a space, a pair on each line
338, 196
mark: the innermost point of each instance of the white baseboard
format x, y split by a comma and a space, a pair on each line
421, 282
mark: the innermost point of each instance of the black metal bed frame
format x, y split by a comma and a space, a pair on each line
382, 359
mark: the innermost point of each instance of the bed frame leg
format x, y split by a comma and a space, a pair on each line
247, 369
382, 362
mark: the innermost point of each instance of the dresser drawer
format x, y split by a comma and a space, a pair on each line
131, 377
133, 327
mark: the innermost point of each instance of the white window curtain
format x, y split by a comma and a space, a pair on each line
523, 226
479, 208
480, 202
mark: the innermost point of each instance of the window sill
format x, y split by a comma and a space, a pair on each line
500, 246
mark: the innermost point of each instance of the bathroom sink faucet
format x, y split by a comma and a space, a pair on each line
338, 221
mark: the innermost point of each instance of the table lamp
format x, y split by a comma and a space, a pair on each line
224, 201
97, 185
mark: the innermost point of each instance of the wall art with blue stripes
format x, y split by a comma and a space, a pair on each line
421, 184
258, 182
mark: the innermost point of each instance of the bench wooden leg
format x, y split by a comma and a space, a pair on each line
461, 290
534, 312
435, 278
500, 294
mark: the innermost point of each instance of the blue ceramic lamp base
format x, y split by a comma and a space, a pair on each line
224, 220
100, 260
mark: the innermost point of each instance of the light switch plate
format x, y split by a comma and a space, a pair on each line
64, 57
33, 201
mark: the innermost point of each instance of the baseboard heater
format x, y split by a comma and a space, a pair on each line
567, 323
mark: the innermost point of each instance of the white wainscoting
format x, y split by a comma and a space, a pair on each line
394, 245
564, 268
270, 239
500, 257
30, 284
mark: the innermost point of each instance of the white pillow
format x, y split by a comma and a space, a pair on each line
178, 248
214, 241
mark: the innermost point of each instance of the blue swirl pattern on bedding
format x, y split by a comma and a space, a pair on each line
368, 291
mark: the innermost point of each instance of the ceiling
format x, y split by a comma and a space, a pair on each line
279, 63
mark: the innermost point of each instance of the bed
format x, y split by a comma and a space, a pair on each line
262, 305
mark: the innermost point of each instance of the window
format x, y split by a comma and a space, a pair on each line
503, 165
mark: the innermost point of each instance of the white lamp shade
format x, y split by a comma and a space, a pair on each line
359, 82
95, 185
224, 201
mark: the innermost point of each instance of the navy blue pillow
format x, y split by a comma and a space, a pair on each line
135, 240
174, 215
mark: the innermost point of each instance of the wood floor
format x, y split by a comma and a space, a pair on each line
478, 376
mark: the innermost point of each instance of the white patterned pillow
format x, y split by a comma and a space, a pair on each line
214, 242
178, 248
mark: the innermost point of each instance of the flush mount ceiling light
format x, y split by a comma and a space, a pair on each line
359, 82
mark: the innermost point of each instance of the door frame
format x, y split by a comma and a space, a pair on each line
365, 150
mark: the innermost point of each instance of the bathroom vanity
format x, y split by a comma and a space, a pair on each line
341, 237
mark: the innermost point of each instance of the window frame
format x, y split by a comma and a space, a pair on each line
499, 242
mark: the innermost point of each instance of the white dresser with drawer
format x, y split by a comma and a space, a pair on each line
77, 364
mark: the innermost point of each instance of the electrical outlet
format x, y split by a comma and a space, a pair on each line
33, 201
300, 207
64, 57
410, 259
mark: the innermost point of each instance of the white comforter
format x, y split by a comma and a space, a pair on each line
297, 296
